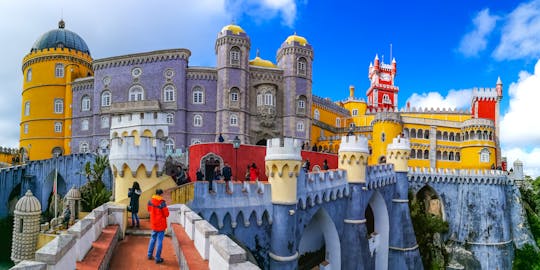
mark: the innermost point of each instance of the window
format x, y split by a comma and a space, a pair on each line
426, 154
301, 104
29, 75
383, 137
25, 128
85, 103
301, 66
57, 127
300, 126
338, 122
170, 118
268, 99
83, 147
413, 153
235, 56
195, 141
136, 93
234, 120
234, 96
351, 125
316, 114
169, 93
197, 120
198, 95
104, 122
259, 100
484, 155
59, 71
84, 124
58, 105
355, 112
106, 98
169, 145
386, 99
27, 108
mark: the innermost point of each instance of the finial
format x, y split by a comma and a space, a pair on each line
370, 64
377, 56
257, 52
294, 34
393, 60
499, 80
61, 24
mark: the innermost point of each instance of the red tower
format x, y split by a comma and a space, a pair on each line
382, 92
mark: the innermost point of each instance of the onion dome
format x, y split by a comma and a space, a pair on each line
235, 29
60, 38
295, 38
73, 194
28, 203
258, 61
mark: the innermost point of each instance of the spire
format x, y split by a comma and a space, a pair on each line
499, 80
376, 57
370, 64
393, 60
61, 24
257, 52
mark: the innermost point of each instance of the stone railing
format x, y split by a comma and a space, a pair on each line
220, 251
183, 194
66, 249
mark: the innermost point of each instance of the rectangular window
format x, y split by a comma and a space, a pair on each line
301, 104
234, 96
27, 108
197, 98
25, 128
338, 122
355, 112
59, 71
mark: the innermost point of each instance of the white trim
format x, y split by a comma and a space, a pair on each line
400, 200
355, 221
282, 258
403, 249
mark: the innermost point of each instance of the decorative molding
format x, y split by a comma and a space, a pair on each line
142, 58
63, 57
199, 73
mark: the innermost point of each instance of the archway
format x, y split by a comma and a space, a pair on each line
431, 201
320, 243
208, 164
378, 222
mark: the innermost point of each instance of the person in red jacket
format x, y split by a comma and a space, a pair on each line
157, 208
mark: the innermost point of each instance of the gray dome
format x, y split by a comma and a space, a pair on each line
28, 203
60, 38
73, 194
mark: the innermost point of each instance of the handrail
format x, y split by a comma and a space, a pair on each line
183, 194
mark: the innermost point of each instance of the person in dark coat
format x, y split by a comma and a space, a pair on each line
220, 139
134, 193
200, 175
227, 173
325, 165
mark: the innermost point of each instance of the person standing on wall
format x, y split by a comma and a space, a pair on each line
227, 173
200, 175
254, 176
134, 193
157, 208
325, 165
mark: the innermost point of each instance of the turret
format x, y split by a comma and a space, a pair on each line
295, 57
351, 91
353, 157
25, 228
376, 61
499, 88
398, 154
232, 106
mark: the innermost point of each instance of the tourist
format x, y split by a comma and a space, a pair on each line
314, 148
134, 193
157, 208
306, 165
325, 165
220, 139
67, 216
227, 173
200, 175
247, 177
254, 176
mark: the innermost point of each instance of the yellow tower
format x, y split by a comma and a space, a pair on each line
282, 164
56, 59
387, 125
353, 157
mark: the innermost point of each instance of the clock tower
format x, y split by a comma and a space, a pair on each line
382, 93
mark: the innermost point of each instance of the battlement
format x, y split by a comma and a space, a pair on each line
354, 144
484, 93
149, 152
477, 122
454, 176
147, 124
286, 149
321, 187
380, 175
399, 143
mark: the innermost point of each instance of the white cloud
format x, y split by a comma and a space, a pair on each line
476, 41
456, 99
259, 10
530, 159
519, 36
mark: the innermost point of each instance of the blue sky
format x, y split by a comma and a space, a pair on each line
443, 48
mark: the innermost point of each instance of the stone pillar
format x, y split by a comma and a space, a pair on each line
353, 157
73, 198
25, 228
403, 250
283, 163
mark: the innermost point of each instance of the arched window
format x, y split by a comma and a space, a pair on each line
426, 154
439, 135
338, 122
451, 137
169, 94
59, 70
386, 99
484, 155
235, 94
457, 156
57, 127
106, 98
169, 145
316, 114
438, 155
420, 134
300, 126
84, 124
451, 156
383, 137
413, 153
85, 103
445, 155
233, 120
58, 105
466, 137
170, 118
29, 75
301, 104
413, 133
84, 147
485, 135
104, 122
198, 95
197, 120
269, 99
445, 136
426, 134
136, 93
302, 66
27, 108
234, 55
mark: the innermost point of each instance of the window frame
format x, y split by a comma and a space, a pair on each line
301, 66
106, 98
58, 106
169, 93
197, 96
233, 120
58, 127
85, 125
59, 70
235, 55
104, 119
27, 108
316, 114
136, 93
86, 103
171, 117
197, 120
29, 75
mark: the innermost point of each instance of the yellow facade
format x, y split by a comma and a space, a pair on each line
48, 74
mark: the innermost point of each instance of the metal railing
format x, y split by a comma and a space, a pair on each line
183, 194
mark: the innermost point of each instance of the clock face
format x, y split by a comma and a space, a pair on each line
385, 76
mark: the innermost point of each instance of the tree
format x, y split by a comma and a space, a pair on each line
528, 257
94, 193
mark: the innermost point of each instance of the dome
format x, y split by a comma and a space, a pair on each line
60, 38
294, 38
235, 29
73, 194
261, 62
28, 203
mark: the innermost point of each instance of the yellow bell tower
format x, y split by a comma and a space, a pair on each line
56, 59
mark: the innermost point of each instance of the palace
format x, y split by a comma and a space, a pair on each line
70, 99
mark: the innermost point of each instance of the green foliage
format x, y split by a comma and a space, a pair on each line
94, 193
526, 258
425, 226
6, 234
